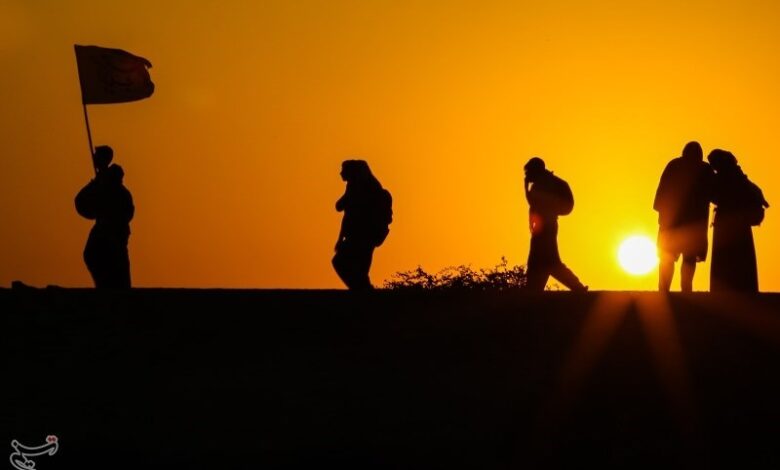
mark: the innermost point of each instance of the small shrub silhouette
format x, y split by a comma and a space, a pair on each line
500, 277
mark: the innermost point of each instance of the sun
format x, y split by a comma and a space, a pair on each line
637, 255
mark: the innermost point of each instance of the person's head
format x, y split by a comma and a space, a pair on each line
355, 171
103, 156
693, 151
534, 168
721, 160
115, 174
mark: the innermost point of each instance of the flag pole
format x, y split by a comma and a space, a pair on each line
89, 137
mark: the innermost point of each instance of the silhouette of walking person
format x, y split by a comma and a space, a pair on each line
367, 208
739, 205
548, 197
106, 201
682, 201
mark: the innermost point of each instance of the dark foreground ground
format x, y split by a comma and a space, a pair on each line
325, 379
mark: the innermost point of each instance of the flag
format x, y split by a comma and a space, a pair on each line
112, 75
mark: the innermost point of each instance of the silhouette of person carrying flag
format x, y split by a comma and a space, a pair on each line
367, 209
682, 201
740, 205
106, 201
548, 198
108, 76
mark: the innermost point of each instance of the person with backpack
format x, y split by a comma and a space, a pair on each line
682, 201
368, 212
740, 206
108, 202
548, 198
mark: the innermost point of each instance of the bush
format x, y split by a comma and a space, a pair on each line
462, 277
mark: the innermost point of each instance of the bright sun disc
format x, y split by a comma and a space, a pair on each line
637, 255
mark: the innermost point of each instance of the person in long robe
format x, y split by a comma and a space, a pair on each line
734, 266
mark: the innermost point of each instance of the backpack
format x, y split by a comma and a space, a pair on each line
86, 201
383, 216
755, 204
562, 197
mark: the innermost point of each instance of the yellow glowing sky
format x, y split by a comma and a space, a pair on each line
233, 163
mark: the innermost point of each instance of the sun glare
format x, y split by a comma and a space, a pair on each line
637, 255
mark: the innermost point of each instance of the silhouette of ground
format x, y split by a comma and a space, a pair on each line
332, 379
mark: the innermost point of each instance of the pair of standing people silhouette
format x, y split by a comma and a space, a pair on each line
687, 187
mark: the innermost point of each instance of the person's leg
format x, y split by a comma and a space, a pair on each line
666, 260
665, 272
122, 267
540, 256
343, 263
100, 265
92, 260
92, 266
352, 263
363, 257
116, 264
565, 276
687, 270
536, 278
555, 266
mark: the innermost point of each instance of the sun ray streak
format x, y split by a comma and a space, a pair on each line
751, 313
600, 326
658, 321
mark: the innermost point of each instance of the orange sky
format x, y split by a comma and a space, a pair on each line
233, 162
